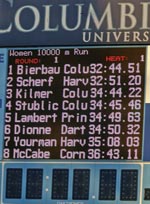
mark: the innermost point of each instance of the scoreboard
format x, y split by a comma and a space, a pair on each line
74, 102
69, 115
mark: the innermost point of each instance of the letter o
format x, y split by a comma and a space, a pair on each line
73, 70
36, 18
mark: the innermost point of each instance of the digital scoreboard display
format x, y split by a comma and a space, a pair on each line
74, 102
78, 103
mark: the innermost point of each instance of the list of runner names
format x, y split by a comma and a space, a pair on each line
75, 103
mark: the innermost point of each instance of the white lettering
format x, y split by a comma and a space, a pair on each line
78, 93
64, 154
35, 118
125, 16
8, 29
36, 18
72, 130
34, 142
145, 15
29, 154
69, 81
65, 142
107, 14
77, 105
64, 17
47, 19
26, 130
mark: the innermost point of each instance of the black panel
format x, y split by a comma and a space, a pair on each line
14, 183
147, 194
60, 184
81, 181
34, 183
129, 184
107, 187
84, 101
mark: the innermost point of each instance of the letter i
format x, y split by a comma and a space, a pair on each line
78, 118
25, 93
49, 105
